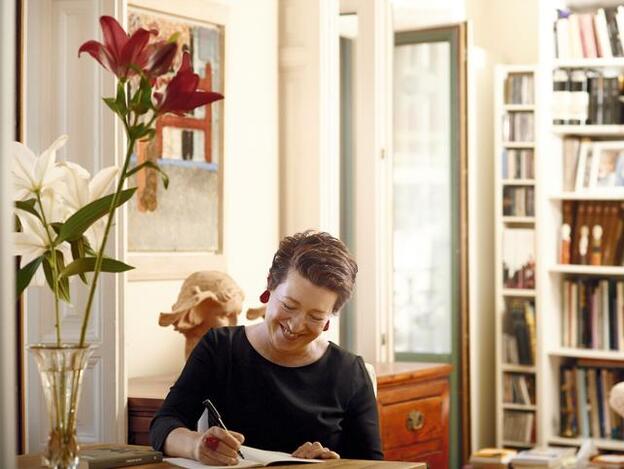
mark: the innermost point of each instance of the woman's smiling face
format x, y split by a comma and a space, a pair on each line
296, 314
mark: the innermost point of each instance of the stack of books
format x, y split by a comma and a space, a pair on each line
552, 458
492, 458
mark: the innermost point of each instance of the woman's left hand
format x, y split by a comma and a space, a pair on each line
315, 451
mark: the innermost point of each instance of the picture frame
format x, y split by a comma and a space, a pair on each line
607, 167
162, 263
584, 166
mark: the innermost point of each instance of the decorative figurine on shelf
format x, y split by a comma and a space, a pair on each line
596, 249
584, 244
207, 299
565, 244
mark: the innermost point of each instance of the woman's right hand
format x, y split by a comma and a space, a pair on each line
218, 447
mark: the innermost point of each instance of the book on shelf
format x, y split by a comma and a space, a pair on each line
587, 97
517, 163
584, 400
254, 457
519, 426
519, 88
607, 461
519, 201
519, 332
583, 216
518, 126
593, 314
111, 456
545, 457
518, 388
588, 35
518, 256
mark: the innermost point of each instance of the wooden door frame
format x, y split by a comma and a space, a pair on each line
456, 34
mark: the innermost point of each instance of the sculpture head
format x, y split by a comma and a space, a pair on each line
207, 299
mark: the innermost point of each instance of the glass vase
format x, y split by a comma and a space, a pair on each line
61, 369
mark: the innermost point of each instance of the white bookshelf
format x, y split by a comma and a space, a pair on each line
550, 273
505, 222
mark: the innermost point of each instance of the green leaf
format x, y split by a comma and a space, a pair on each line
63, 287
25, 275
78, 252
112, 104
120, 101
87, 264
80, 221
28, 206
63, 282
154, 166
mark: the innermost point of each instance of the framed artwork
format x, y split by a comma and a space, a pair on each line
175, 231
607, 168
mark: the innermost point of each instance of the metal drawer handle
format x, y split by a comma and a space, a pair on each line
415, 420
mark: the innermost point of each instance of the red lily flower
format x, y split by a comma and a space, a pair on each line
181, 94
160, 56
120, 52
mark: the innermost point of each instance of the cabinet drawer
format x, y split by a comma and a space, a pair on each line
411, 422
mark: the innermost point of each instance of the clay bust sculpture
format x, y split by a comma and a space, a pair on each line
206, 300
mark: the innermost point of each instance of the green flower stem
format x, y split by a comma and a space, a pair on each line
100, 254
57, 315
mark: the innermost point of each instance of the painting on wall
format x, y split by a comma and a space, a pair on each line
186, 217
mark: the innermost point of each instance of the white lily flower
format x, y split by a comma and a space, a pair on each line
33, 241
78, 191
32, 174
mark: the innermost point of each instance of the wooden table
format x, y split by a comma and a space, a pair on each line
34, 462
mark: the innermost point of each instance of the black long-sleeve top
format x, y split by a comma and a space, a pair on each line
276, 407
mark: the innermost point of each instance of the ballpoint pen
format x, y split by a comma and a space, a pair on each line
213, 410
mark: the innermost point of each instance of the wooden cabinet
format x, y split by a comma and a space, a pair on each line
413, 403
412, 398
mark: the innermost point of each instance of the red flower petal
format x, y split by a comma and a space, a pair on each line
97, 51
115, 38
131, 53
160, 58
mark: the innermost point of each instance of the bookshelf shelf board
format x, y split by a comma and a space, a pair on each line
588, 196
518, 368
588, 130
617, 62
518, 144
601, 443
588, 269
517, 444
527, 407
587, 353
524, 220
518, 182
523, 292
519, 107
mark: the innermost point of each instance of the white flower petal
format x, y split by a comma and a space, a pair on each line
28, 246
47, 160
95, 234
33, 226
102, 182
53, 208
74, 188
38, 279
23, 164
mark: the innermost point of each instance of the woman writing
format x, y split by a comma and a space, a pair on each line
279, 385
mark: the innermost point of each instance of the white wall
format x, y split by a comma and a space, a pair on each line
250, 181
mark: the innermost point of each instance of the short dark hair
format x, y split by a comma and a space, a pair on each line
319, 257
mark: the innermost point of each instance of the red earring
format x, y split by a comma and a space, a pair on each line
264, 298
326, 328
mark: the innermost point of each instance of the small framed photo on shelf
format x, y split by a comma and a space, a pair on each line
584, 166
607, 166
